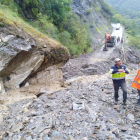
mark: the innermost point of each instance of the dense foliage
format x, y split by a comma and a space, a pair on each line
125, 4
56, 19
127, 13
106, 7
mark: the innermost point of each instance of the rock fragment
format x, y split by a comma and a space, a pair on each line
17, 127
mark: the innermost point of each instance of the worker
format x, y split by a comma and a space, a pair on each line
121, 40
118, 39
118, 72
136, 84
138, 103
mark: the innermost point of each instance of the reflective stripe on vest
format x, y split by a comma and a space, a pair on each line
128, 70
138, 76
118, 76
111, 70
136, 83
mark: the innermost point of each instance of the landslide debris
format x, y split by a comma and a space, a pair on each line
84, 111
24, 51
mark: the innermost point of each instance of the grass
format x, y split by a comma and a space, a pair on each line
9, 17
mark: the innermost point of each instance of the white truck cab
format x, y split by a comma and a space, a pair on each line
118, 26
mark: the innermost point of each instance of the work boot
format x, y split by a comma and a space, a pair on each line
138, 103
124, 103
116, 103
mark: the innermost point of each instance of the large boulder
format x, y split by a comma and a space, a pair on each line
24, 53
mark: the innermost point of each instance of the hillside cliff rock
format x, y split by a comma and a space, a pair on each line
24, 52
91, 12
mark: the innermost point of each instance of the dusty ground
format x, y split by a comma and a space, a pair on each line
29, 92
81, 109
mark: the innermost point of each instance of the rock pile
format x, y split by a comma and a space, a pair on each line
83, 111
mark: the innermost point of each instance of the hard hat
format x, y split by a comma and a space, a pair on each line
117, 59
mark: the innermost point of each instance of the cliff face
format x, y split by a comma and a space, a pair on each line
24, 52
97, 19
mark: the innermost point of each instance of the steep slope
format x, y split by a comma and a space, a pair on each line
96, 17
24, 52
128, 4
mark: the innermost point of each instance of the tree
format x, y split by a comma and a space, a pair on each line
57, 10
30, 8
117, 18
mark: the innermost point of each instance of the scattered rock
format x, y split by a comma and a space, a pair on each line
27, 84
17, 127
115, 106
79, 105
2, 100
92, 114
2, 90
123, 128
130, 117
70, 138
56, 116
54, 134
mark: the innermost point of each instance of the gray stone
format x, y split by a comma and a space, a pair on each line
22, 55
2, 90
130, 117
17, 127
123, 128
92, 114
27, 84
2, 100
54, 134
70, 138
78, 106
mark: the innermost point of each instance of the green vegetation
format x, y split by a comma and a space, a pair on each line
125, 4
132, 29
127, 13
10, 18
106, 7
56, 20
89, 11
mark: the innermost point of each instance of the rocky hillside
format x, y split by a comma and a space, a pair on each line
24, 52
27, 54
93, 12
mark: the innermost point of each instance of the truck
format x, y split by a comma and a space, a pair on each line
110, 41
118, 26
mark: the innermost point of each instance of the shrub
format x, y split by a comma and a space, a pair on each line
135, 42
97, 9
55, 19
89, 11
64, 38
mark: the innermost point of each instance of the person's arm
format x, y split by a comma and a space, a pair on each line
113, 70
126, 70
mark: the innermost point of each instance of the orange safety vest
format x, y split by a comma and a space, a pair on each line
136, 83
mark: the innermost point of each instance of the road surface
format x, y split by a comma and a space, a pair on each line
100, 55
91, 63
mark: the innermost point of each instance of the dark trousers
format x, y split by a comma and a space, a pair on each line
124, 89
139, 94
